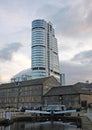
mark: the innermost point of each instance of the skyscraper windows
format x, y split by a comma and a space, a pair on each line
45, 60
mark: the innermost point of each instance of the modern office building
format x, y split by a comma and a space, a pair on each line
45, 60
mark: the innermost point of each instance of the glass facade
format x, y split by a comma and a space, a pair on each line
45, 61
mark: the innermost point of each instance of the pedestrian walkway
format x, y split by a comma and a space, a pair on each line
89, 113
86, 123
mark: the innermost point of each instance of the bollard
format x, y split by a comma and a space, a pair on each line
52, 115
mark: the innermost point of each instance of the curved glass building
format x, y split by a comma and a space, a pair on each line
45, 60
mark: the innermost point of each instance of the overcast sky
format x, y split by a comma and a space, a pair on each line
72, 20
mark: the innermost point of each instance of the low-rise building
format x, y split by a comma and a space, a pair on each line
26, 93
43, 92
75, 96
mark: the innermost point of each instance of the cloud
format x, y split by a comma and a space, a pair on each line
75, 72
7, 52
19, 62
84, 57
70, 18
23, 72
79, 68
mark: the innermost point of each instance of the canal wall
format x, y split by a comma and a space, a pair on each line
79, 118
22, 116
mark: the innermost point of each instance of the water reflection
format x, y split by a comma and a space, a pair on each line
40, 126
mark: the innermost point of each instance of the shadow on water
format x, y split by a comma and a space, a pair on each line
40, 126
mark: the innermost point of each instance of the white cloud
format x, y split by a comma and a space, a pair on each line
11, 68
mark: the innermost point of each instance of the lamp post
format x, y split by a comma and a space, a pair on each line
18, 84
61, 99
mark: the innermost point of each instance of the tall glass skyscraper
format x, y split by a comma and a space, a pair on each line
45, 60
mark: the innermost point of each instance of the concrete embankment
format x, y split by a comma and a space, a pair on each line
40, 118
4, 122
78, 118
85, 120
86, 123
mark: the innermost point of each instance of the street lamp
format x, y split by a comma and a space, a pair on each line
18, 84
61, 99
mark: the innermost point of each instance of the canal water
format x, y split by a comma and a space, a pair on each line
40, 126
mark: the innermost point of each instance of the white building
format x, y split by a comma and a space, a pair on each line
45, 60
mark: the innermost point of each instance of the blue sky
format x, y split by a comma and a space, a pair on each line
72, 21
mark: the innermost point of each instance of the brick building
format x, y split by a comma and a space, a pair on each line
45, 91
26, 93
78, 95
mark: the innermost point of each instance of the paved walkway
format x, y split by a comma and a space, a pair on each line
86, 123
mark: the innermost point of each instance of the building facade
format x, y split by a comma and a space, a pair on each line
75, 96
26, 93
45, 60
43, 92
